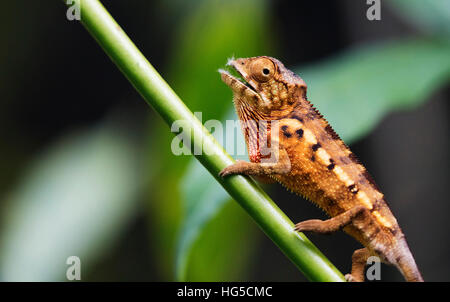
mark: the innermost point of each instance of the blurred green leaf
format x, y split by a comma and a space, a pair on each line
72, 202
204, 199
225, 247
431, 15
355, 90
213, 32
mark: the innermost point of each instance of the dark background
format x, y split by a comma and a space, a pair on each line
55, 79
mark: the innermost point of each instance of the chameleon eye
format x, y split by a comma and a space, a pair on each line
262, 69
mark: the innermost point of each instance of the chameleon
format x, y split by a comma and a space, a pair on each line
310, 159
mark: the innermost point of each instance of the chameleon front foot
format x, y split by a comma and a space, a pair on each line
281, 166
237, 168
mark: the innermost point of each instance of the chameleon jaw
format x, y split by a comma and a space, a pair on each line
240, 88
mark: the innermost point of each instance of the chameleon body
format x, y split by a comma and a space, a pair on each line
311, 160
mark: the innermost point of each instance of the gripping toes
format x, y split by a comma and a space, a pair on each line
350, 278
232, 169
225, 172
332, 224
312, 225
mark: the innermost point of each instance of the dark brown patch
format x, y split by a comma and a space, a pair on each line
286, 133
376, 205
320, 193
315, 147
299, 133
306, 177
378, 251
330, 202
345, 160
313, 158
327, 201
331, 165
331, 132
297, 117
352, 188
394, 231
353, 157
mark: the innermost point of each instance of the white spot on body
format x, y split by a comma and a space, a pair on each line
323, 156
364, 199
381, 219
309, 137
342, 176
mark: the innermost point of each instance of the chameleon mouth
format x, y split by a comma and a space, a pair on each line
237, 83
241, 78
243, 81
238, 75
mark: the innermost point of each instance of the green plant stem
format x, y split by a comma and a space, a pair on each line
163, 99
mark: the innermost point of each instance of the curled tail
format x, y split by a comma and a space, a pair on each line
406, 264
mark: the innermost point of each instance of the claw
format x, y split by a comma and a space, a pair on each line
309, 225
231, 169
225, 172
349, 278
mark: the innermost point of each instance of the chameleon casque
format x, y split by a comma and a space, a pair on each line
311, 160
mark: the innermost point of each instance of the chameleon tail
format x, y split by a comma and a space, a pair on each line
406, 263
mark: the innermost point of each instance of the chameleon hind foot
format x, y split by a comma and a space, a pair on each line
359, 258
359, 261
330, 225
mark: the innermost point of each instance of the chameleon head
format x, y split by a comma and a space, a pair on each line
267, 85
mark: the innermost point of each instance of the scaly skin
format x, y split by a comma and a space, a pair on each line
306, 156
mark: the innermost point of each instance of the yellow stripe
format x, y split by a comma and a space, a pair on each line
309, 137
323, 155
342, 176
362, 197
381, 219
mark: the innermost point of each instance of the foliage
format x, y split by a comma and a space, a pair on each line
82, 191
